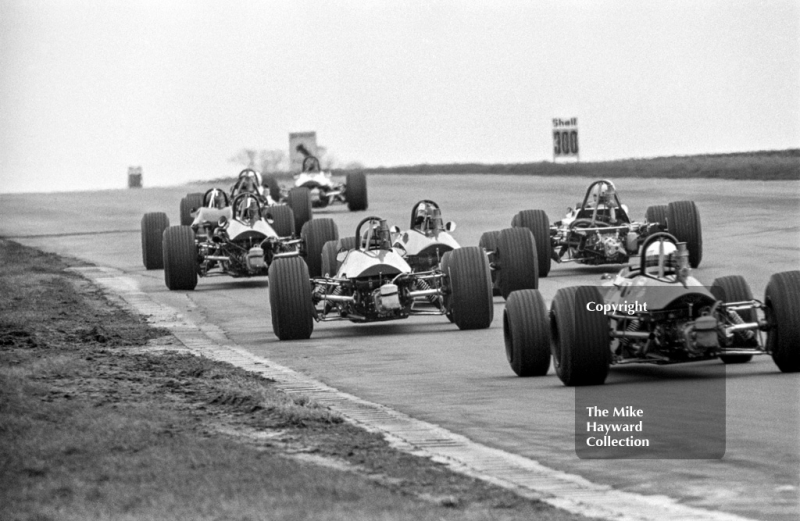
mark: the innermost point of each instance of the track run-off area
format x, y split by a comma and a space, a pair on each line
427, 369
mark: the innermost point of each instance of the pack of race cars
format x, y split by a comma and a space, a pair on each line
654, 311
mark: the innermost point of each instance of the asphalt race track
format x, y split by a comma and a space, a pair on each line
429, 369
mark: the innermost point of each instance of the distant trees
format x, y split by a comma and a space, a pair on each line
274, 161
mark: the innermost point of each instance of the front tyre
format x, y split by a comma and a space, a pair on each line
290, 299
782, 298
180, 258
488, 242
734, 288
189, 204
470, 301
153, 226
282, 220
526, 332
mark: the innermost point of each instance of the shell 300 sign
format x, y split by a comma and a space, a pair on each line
565, 137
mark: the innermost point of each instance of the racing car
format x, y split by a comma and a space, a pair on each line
248, 180
322, 188
599, 230
373, 282
239, 238
654, 313
512, 256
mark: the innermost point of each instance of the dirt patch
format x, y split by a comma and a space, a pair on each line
96, 425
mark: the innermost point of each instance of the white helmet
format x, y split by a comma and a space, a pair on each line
661, 257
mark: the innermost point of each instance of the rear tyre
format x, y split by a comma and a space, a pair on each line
581, 351
488, 242
734, 288
683, 221
516, 255
188, 204
356, 191
271, 184
470, 288
282, 220
180, 258
539, 225
527, 333
299, 200
782, 299
153, 226
290, 299
315, 234
656, 214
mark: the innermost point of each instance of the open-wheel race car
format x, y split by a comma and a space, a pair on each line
322, 188
599, 229
373, 282
512, 254
238, 238
248, 182
654, 313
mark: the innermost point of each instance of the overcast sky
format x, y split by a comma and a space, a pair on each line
88, 88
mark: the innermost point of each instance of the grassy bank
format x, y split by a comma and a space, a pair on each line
93, 425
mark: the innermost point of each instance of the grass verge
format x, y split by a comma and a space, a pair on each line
93, 426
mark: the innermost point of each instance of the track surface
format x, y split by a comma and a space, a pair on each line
425, 367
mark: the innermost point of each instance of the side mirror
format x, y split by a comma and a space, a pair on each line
269, 218
606, 276
450, 226
394, 229
222, 223
569, 210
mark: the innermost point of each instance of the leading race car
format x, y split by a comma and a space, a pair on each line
240, 240
655, 313
374, 282
512, 257
323, 189
599, 230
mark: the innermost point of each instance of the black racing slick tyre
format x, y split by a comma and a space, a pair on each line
315, 234
348, 243
153, 226
516, 256
526, 331
683, 221
470, 301
299, 200
782, 300
180, 258
356, 191
539, 225
290, 299
329, 253
579, 337
282, 220
488, 242
656, 214
188, 204
272, 186
734, 288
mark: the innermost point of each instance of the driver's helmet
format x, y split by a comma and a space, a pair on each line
377, 236
602, 194
216, 198
428, 218
311, 164
247, 209
653, 253
248, 182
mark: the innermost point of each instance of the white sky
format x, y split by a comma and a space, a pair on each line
88, 88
